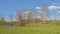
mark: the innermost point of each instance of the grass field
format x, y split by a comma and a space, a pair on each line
36, 28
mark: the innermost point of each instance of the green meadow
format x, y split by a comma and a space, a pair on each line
34, 28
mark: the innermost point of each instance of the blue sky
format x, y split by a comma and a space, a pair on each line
10, 6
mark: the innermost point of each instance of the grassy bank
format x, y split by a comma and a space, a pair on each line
33, 29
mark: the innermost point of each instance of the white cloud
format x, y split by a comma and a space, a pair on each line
54, 3
38, 8
53, 7
58, 7
26, 12
6, 16
58, 11
38, 17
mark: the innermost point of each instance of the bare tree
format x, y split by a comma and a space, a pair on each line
11, 18
54, 21
19, 15
3, 19
44, 13
30, 16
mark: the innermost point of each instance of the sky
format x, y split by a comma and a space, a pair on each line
11, 6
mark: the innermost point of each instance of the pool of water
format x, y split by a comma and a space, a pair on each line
6, 26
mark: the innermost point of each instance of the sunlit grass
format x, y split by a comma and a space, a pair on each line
36, 28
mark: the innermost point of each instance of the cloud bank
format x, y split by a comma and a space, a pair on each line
52, 7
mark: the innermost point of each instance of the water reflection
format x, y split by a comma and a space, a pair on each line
6, 26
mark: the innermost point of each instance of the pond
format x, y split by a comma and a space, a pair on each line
6, 26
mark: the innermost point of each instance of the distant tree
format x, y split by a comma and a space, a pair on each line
30, 16
19, 15
3, 19
44, 13
54, 21
11, 18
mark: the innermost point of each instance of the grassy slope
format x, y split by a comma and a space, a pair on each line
32, 29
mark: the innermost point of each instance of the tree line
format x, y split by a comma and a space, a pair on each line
22, 19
